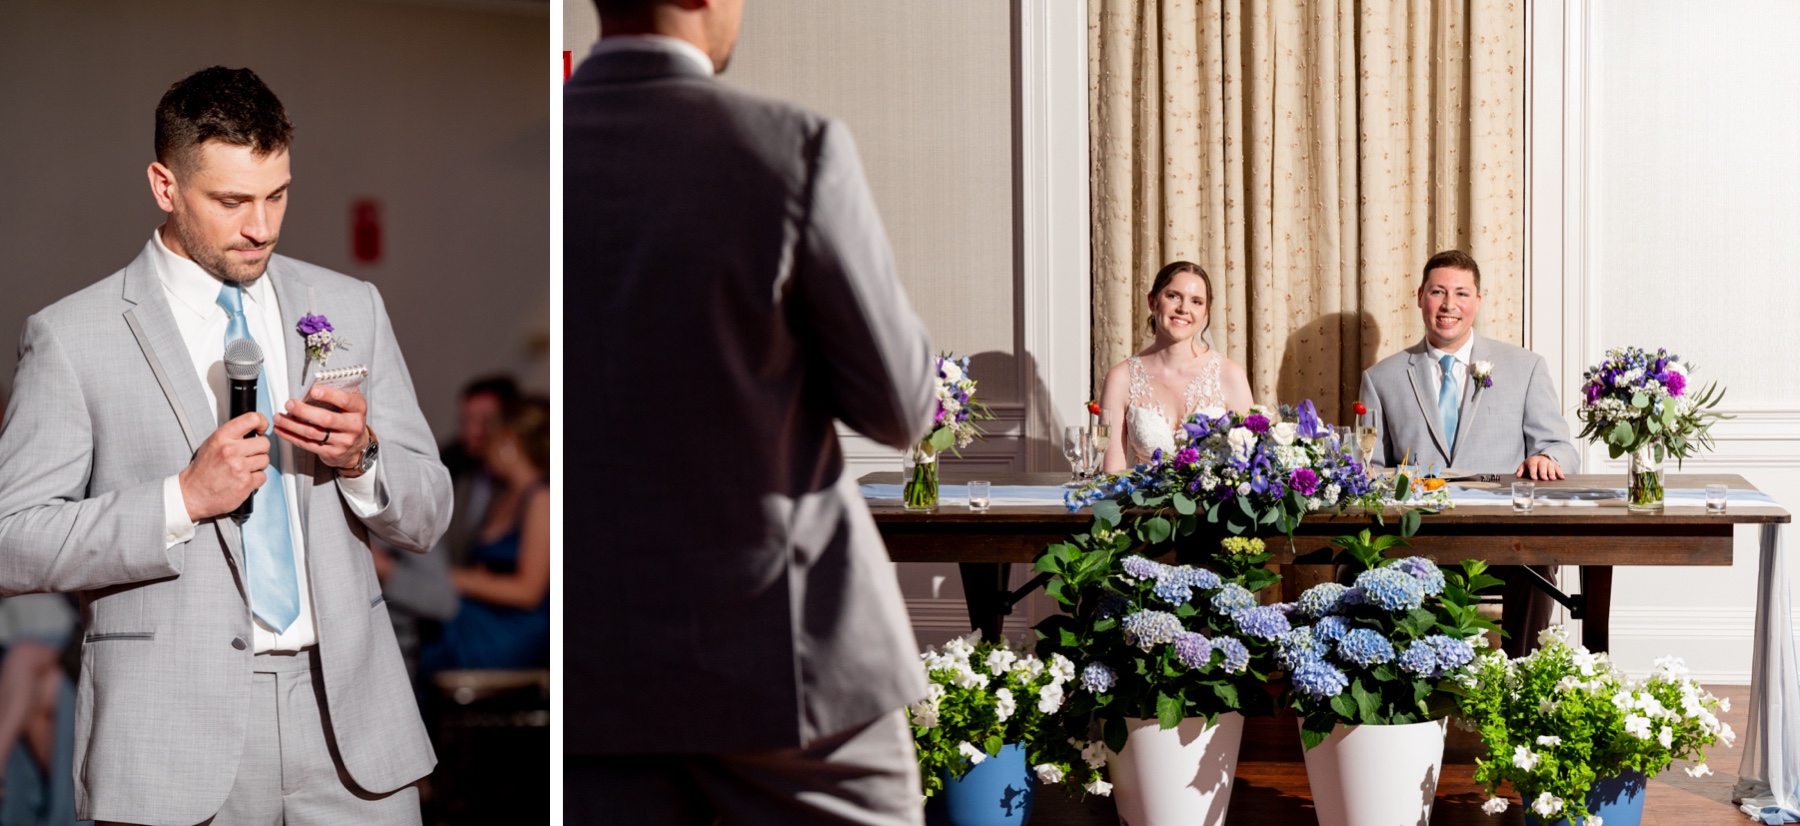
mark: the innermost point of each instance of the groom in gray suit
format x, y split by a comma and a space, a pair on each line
735, 643
235, 670
1461, 400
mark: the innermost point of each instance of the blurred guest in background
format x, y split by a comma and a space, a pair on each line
504, 617
37, 714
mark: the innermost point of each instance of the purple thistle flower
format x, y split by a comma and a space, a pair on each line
1304, 480
1257, 423
310, 324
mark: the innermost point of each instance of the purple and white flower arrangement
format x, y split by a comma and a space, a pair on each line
981, 696
1560, 719
954, 422
1482, 372
1636, 399
1387, 649
321, 338
1264, 468
1154, 639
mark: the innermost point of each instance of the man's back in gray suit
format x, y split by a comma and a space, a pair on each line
730, 294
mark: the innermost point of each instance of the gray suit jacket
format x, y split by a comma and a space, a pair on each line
1497, 427
105, 406
730, 292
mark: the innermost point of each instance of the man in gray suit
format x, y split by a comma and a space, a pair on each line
735, 644
234, 672
1461, 400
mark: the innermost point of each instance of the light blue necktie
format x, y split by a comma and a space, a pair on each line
1448, 403
268, 545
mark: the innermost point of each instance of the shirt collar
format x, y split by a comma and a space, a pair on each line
654, 43
192, 286
1461, 354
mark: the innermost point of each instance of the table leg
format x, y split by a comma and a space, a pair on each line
985, 592
1596, 625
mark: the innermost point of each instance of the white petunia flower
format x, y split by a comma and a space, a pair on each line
1593, 820
1050, 698
966, 677
1666, 737
924, 715
1549, 740
1726, 735
1547, 804
1099, 787
1698, 770
1062, 669
1494, 805
968, 750
1004, 705
1555, 633
1094, 754
1637, 726
1525, 758
1028, 668
1547, 707
1724, 703
1048, 773
999, 660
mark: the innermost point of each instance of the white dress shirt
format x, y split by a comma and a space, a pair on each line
654, 43
1459, 370
193, 296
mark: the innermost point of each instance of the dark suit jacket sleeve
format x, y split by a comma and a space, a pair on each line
1371, 399
53, 537
1546, 431
412, 486
850, 307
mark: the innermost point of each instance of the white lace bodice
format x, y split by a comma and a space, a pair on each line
1148, 427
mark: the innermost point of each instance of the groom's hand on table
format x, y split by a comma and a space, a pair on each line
1541, 468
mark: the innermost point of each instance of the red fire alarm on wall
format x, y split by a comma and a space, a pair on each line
365, 231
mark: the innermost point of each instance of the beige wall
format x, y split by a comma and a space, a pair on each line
437, 109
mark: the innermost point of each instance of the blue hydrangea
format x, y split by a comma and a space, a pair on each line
1237, 657
1391, 589
1140, 568
1322, 599
1452, 653
1200, 578
1425, 571
1097, 678
1264, 622
1298, 647
1193, 650
1148, 629
1232, 599
1331, 629
1320, 680
1365, 647
1420, 658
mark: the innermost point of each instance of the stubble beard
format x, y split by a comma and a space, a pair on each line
219, 263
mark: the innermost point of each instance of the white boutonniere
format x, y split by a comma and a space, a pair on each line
321, 339
1483, 373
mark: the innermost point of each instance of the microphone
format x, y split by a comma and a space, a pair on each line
243, 361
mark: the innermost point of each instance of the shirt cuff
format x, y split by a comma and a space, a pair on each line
177, 528
363, 492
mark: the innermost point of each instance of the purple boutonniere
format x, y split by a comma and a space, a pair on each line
1483, 373
321, 340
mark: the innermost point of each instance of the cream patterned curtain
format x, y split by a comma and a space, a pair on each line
1310, 156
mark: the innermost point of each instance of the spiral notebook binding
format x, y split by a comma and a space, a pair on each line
341, 373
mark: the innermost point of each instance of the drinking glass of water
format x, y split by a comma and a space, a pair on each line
978, 496
1524, 496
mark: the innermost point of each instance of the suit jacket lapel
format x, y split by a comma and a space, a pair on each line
1472, 394
153, 325
294, 294
1425, 390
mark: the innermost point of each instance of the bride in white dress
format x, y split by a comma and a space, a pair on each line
1179, 373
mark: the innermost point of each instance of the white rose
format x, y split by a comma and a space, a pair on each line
1494, 805
1270, 413
1285, 433
952, 371
1048, 773
1100, 787
1242, 443
968, 750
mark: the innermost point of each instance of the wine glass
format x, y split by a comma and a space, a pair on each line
1366, 438
1074, 446
1098, 437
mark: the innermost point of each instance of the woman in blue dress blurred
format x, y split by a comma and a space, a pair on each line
504, 618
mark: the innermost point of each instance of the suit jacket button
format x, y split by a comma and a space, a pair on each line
238, 643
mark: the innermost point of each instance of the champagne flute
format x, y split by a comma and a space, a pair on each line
1098, 437
1366, 438
1074, 445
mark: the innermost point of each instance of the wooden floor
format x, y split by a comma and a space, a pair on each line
1271, 784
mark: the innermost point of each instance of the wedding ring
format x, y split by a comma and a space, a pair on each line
325, 438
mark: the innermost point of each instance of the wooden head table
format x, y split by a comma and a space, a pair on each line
1596, 536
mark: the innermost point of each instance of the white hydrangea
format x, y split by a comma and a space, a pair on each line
968, 750
1048, 773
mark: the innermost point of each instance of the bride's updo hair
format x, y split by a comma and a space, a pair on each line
1167, 274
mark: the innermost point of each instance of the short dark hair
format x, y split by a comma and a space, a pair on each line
501, 387
1167, 274
1454, 259
218, 104
625, 8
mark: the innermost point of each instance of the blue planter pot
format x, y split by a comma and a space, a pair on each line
998, 792
1618, 800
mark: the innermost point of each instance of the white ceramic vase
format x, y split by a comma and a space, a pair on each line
1178, 777
1376, 775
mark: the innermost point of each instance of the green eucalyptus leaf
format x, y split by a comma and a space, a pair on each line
1108, 510
1184, 505
1156, 530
